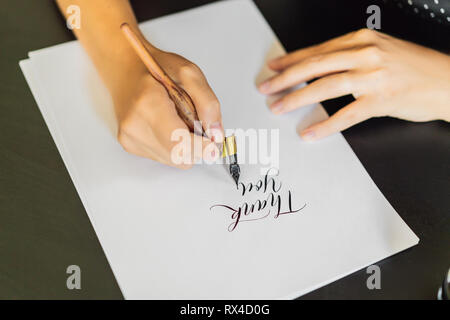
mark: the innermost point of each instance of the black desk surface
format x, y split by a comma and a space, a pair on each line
44, 227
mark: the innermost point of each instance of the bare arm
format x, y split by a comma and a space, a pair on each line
101, 37
146, 115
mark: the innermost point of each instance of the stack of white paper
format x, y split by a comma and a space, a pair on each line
157, 225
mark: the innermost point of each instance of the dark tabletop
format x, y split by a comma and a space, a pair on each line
44, 227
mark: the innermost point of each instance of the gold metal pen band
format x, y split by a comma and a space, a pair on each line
229, 146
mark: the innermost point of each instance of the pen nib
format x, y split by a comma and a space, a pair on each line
230, 151
235, 172
236, 179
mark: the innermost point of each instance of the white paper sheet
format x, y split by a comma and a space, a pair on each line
155, 224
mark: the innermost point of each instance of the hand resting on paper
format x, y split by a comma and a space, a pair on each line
387, 76
146, 115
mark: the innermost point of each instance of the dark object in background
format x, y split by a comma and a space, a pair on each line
435, 11
310, 22
428, 19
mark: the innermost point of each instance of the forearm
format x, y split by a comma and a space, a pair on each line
101, 37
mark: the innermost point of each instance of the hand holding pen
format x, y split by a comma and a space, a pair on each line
183, 103
146, 114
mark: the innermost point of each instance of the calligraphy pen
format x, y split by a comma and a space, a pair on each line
183, 102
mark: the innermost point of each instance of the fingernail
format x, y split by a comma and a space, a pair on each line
216, 132
277, 107
308, 135
264, 87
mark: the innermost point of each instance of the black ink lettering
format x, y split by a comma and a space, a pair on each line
257, 210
